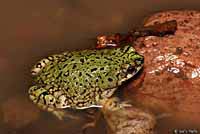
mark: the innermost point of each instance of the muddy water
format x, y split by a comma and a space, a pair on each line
30, 30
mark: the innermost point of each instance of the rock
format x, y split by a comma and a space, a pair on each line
123, 118
172, 66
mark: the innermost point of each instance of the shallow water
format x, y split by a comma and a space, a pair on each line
33, 29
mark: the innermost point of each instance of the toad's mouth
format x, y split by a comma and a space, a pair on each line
134, 73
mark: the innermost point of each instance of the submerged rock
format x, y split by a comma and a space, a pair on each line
123, 118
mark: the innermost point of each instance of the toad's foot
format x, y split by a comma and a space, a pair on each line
95, 118
114, 104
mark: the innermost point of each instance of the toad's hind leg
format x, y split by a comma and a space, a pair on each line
52, 99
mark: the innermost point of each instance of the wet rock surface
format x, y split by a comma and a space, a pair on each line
172, 66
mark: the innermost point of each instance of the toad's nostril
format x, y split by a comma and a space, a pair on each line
139, 61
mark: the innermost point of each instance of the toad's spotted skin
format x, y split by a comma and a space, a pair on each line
81, 79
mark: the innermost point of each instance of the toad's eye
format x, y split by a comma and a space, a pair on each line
131, 69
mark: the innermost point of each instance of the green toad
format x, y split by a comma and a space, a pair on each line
82, 79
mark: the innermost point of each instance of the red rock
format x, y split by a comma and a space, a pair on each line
172, 66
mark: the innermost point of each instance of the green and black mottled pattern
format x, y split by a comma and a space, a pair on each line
83, 78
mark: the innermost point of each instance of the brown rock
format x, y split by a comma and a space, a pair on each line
172, 66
